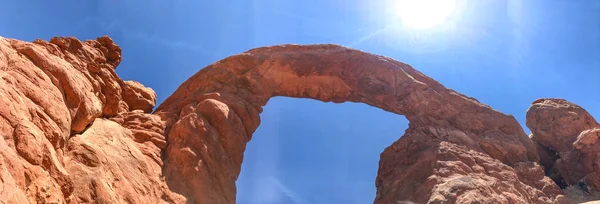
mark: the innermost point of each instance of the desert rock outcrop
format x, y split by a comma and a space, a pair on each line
220, 106
568, 139
74, 132
58, 144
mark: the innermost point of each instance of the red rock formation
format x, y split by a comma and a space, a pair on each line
569, 135
455, 149
58, 146
556, 123
74, 132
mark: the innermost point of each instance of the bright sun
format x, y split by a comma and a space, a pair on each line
422, 14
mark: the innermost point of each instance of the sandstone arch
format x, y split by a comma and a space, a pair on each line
74, 132
213, 114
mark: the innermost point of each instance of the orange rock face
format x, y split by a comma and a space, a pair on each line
455, 149
74, 132
569, 135
58, 144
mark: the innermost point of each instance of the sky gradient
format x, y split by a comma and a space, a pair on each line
505, 53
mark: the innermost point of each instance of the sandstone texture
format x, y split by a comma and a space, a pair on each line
455, 149
68, 135
74, 132
568, 137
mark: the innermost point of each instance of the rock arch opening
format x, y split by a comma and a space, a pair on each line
307, 151
212, 115
195, 141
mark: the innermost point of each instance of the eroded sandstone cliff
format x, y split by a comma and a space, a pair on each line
74, 132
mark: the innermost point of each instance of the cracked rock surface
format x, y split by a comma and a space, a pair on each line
58, 144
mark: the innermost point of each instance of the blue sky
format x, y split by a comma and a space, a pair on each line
506, 53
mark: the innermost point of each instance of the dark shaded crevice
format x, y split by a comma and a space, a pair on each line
74, 133
556, 177
548, 158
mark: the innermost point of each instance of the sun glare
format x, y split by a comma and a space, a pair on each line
423, 14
